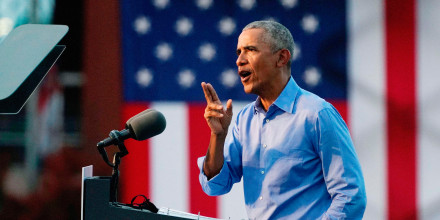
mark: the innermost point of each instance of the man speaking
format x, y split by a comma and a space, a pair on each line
291, 147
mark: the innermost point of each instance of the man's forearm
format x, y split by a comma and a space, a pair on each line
214, 157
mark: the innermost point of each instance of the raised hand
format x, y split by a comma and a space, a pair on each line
216, 116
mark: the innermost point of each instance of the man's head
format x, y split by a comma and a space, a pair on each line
264, 50
275, 34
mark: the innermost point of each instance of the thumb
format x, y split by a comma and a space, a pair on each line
229, 107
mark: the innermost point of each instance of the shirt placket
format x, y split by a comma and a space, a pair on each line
264, 146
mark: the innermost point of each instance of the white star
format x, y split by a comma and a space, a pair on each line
142, 25
186, 78
161, 4
6, 25
204, 4
247, 4
289, 4
310, 24
312, 76
296, 52
226, 26
164, 51
144, 77
207, 52
184, 26
229, 78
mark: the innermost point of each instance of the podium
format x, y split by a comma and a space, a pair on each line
97, 205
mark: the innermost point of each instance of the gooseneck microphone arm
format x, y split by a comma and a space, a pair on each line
139, 127
114, 135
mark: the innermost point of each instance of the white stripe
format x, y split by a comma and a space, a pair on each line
366, 74
231, 205
169, 159
428, 72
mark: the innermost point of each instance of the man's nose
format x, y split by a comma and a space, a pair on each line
241, 60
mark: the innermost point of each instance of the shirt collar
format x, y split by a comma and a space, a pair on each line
285, 100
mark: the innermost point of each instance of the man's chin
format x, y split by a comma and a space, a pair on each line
248, 90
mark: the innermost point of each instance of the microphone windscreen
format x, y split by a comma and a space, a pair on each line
146, 124
133, 118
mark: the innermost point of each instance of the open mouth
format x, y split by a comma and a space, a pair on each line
244, 75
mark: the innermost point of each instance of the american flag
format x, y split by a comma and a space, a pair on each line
376, 61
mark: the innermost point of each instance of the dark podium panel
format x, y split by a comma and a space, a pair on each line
97, 205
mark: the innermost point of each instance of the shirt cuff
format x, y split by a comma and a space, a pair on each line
216, 184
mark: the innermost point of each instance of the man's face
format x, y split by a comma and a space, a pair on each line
256, 62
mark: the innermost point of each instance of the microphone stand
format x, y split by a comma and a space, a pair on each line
116, 161
115, 174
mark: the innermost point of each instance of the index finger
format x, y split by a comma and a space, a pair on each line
207, 93
211, 89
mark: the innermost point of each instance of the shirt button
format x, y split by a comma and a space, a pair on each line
262, 172
261, 198
267, 120
265, 145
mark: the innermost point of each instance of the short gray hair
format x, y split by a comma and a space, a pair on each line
276, 35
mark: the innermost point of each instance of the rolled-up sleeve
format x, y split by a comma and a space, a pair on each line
341, 167
219, 184
231, 171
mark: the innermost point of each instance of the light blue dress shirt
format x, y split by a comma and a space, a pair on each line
297, 160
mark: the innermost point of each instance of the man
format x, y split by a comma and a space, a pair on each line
291, 147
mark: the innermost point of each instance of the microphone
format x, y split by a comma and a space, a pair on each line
140, 127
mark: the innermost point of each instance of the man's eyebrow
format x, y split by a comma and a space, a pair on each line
238, 51
250, 47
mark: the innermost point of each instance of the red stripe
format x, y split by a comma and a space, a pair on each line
135, 168
341, 106
199, 135
401, 108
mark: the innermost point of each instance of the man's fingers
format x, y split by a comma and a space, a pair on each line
214, 110
208, 96
210, 93
211, 89
214, 106
213, 114
229, 107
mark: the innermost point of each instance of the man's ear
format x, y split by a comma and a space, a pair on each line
283, 58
